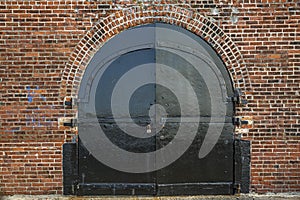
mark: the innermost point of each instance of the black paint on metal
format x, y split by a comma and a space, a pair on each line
70, 168
215, 167
242, 161
237, 98
69, 103
117, 189
71, 123
218, 188
238, 122
218, 173
91, 171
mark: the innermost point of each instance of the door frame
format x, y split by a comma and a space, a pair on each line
174, 186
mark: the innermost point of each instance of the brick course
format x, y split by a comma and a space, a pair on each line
46, 45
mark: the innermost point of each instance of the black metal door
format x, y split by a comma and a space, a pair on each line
154, 116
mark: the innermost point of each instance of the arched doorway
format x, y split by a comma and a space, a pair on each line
155, 116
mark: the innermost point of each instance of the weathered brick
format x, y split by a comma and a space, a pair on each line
46, 45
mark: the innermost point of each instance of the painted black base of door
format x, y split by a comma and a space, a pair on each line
155, 190
241, 182
116, 189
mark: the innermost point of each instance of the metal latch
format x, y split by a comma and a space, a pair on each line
237, 97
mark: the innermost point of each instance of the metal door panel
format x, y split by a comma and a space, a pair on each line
94, 175
178, 121
127, 41
190, 173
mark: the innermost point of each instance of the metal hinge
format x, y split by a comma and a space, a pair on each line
71, 123
237, 97
70, 102
238, 121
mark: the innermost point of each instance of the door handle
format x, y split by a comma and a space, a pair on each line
148, 129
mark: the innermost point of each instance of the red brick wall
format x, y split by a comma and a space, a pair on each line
45, 46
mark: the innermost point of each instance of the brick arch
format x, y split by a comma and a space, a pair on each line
121, 20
